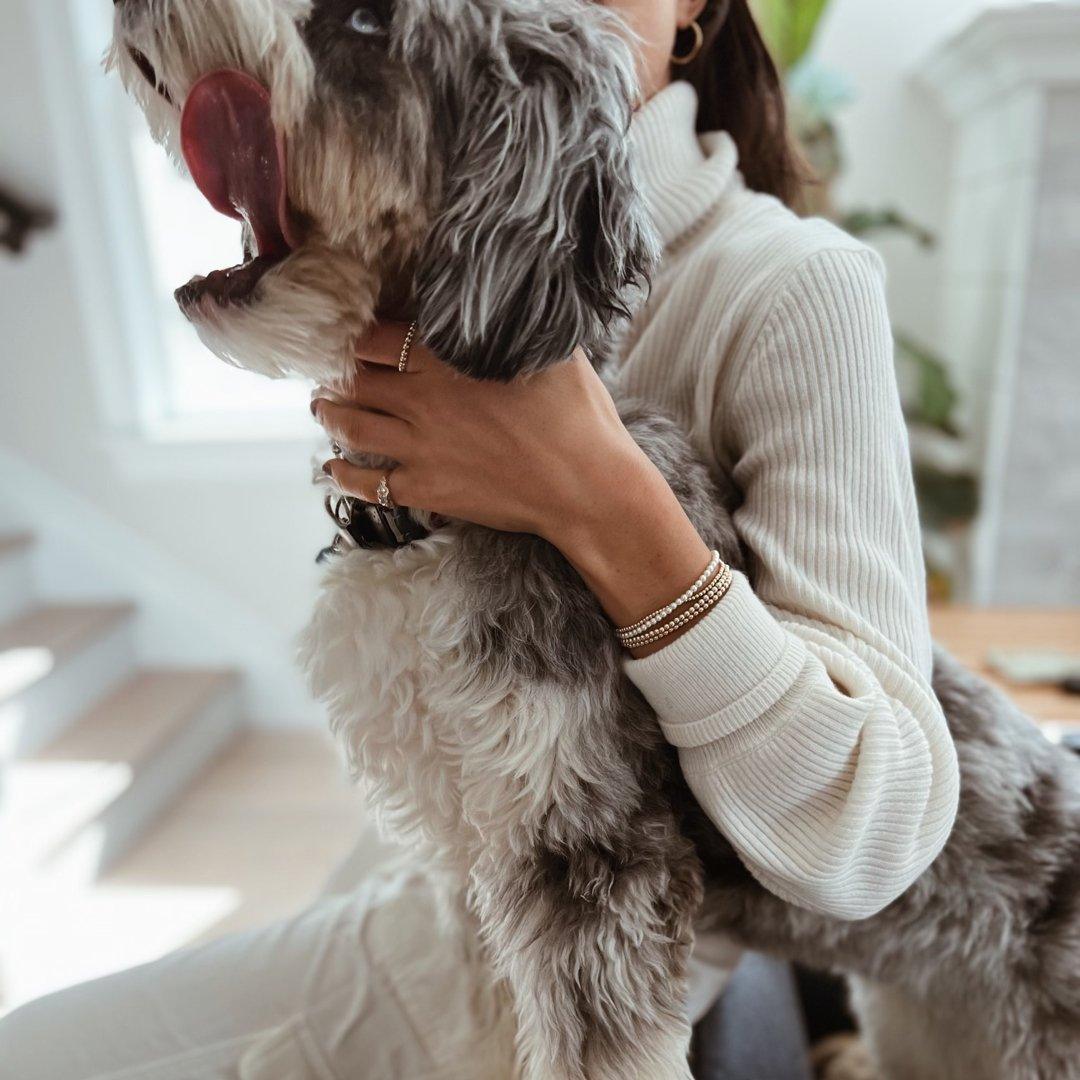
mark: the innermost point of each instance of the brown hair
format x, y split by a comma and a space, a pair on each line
740, 92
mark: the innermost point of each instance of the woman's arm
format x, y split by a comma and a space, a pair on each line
802, 709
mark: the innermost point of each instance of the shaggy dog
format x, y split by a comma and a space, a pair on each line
464, 163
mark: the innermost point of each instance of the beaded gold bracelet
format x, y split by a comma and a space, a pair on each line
713, 593
658, 616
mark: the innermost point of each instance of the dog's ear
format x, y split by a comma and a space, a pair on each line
541, 233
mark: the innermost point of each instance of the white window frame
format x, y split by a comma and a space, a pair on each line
111, 264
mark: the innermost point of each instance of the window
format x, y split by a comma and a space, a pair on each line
144, 229
185, 237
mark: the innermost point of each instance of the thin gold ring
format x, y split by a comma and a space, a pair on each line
406, 349
695, 51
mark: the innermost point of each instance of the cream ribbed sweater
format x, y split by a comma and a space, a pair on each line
801, 704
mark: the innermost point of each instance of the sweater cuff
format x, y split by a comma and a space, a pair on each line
724, 672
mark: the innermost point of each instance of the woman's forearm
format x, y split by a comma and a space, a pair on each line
630, 540
547, 454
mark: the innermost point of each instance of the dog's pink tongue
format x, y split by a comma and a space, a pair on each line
236, 157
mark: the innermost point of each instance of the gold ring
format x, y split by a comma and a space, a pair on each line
382, 493
406, 348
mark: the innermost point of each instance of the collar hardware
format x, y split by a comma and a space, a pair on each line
361, 524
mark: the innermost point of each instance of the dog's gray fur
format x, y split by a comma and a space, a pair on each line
470, 169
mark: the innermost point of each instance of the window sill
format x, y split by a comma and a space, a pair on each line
242, 447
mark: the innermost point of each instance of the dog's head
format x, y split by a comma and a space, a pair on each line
463, 162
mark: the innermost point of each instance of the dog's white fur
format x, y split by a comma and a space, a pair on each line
460, 769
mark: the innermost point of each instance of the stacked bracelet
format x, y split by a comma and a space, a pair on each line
658, 616
700, 596
708, 599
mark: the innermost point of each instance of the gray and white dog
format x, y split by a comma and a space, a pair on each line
465, 163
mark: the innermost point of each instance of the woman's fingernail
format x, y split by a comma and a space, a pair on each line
327, 469
315, 407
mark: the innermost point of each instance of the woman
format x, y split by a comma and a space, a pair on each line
799, 699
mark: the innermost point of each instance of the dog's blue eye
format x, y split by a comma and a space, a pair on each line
365, 21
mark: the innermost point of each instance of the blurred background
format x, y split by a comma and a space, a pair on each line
165, 776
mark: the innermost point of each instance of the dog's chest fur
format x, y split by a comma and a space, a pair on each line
435, 693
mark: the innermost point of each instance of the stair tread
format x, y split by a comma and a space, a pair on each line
53, 796
10, 543
36, 641
61, 628
127, 725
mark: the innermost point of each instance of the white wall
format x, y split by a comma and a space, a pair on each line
899, 144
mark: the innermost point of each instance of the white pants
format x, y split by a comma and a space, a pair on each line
368, 986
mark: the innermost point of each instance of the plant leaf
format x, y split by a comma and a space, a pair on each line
945, 499
867, 220
937, 397
789, 27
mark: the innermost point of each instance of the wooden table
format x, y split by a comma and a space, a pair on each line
970, 633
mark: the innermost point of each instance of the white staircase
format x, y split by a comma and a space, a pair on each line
92, 748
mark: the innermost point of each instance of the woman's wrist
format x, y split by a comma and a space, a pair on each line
630, 540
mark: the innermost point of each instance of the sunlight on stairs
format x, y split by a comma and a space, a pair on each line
135, 814
84, 797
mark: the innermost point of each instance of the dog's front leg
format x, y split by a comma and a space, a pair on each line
594, 944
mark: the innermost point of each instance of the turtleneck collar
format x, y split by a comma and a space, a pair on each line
683, 176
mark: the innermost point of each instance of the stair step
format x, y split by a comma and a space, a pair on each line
81, 802
16, 574
54, 659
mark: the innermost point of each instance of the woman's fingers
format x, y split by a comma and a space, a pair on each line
371, 387
384, 344
359, 430
364, 483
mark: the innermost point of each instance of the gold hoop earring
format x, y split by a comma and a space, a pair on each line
695, 51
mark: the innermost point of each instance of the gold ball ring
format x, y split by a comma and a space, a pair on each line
406, 349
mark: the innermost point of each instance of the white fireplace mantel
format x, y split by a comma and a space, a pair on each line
1010, 83
1005, 48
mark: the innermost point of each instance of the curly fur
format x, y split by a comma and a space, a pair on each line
471, 170
975, 970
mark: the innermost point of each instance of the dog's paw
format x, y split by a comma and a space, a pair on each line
843, 1057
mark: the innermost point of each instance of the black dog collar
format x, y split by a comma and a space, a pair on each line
367, 525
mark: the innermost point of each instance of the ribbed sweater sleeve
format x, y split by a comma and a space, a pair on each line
801, 704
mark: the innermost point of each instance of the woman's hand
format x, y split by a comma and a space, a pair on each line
512, 456
545, 454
